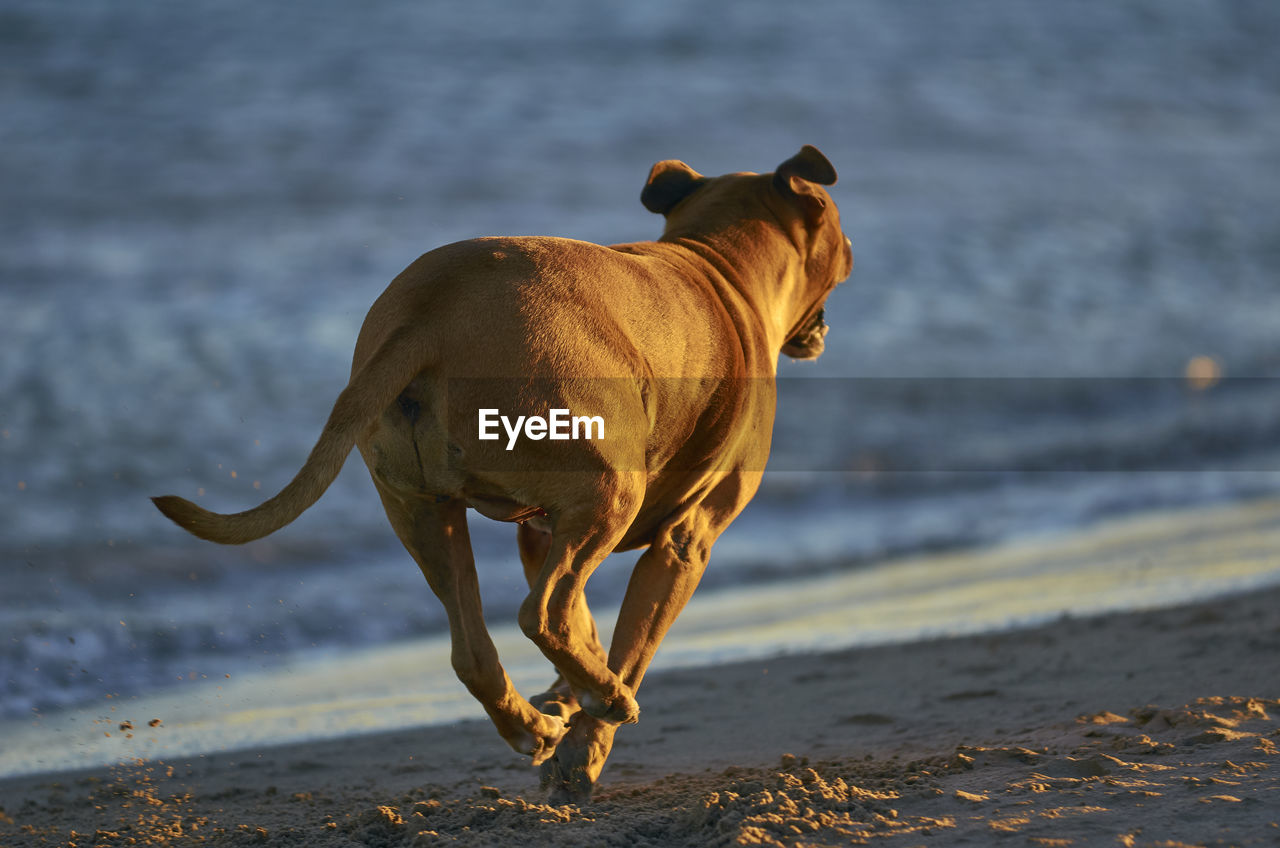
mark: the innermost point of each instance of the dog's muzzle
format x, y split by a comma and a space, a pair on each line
808, 342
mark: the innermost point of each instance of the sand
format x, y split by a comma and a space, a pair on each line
1140, 728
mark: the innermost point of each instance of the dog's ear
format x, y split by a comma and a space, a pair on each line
795, 177
670, 181
809, 164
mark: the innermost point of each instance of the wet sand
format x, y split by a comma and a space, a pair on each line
1140, 562
1137, 728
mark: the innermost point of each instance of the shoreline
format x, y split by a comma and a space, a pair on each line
1147, 726
1149, 561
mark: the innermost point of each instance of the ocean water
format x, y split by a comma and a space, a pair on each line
1056, 210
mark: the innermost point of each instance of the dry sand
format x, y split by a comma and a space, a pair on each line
1146, 728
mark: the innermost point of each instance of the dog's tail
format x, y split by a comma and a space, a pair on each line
371, 390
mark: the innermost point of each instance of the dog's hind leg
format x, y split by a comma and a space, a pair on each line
435, 534
559, 699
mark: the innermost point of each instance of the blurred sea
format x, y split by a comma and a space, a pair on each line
1056, 210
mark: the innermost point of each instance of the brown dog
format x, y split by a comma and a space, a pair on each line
665, 352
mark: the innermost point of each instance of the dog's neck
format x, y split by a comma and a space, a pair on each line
744, 264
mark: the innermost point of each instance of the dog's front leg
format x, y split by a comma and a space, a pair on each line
435, 534
553, 616
664, 579
570, 776
559, 698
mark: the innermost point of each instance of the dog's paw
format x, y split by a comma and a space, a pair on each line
567, 777
623, 709
570, 776
561, 792
540, 744
558, 702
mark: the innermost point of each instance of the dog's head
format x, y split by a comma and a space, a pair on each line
793, 198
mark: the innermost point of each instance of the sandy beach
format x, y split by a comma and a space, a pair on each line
1155, 727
